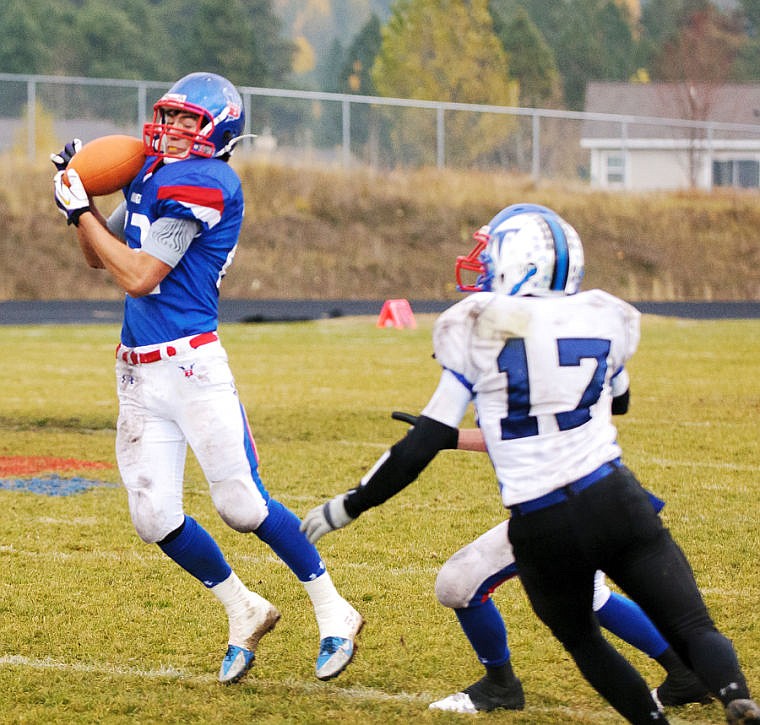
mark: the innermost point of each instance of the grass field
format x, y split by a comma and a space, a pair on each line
97, 627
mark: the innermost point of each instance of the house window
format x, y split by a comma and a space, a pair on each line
742, 173
615, 172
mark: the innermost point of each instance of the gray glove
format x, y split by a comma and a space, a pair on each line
327, 517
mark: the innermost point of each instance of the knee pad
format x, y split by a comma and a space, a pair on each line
474, 571
151, 522
239, 503
451, 587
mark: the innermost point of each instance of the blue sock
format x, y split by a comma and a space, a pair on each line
484, 627
197, 553
627, 620
280, 531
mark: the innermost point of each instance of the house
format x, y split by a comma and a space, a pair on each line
672, 135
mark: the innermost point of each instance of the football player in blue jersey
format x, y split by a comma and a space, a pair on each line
544, 366
168, 246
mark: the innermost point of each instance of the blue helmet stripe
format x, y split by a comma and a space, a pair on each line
561, 253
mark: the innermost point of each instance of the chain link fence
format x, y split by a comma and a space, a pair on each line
345, 131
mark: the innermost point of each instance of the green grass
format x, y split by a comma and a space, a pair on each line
97, 627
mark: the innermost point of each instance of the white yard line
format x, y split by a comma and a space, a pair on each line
366, 694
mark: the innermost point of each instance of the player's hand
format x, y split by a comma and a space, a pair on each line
70, 198
62, 158
405, 417
323, 519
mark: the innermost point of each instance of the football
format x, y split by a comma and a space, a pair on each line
108, 163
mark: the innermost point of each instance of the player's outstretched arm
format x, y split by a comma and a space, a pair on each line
393, 471
468, 439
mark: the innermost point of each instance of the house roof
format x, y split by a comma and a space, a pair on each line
735, 103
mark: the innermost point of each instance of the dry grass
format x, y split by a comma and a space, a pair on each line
319, 233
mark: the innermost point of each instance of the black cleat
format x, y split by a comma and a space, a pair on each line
483, 696
742, 712
681, 689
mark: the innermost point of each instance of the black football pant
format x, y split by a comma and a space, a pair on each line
612, 526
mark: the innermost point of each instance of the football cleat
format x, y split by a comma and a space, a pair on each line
235, 664
335, 653
681, 689
483, 696
260, 619
742, 712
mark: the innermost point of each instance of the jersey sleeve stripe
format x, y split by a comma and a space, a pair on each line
194, 196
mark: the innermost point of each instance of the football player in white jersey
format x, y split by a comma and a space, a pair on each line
542, 363
168, 246
466, 582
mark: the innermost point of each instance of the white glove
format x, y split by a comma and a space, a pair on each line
71, 199
327, 517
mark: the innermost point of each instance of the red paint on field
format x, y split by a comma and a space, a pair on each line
32, 465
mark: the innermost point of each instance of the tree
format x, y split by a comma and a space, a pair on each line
595, 43
24, 45
239, 39
698, 60
118, 44
356, 76
367, 128
752, 13
445, 50
531, 60
703, 49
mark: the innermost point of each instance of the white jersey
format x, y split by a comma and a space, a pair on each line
539, 371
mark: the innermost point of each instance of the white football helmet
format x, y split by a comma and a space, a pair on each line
526, 249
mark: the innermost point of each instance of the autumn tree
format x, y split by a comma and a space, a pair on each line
697, 61
702, 49
445, 50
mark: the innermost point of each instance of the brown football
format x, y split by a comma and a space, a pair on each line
108, 163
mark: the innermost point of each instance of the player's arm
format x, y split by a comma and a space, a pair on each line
400, 465
134, 270
114, 223
468, 439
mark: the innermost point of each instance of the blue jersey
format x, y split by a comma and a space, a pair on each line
207, 192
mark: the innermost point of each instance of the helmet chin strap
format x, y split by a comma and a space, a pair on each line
232, 142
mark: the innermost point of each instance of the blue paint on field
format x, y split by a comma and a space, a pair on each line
53, 485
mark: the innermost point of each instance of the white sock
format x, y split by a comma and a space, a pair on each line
330, 608
232, 593
238, 601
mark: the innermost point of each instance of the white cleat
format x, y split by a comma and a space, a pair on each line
336, 652
458, 702
258, 619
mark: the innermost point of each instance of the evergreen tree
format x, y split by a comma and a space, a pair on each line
368, 132
115, 42
355, 75
24, 34
223, 40
595, 43
531, 60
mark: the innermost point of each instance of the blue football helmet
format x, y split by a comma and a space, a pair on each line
526, 249
220, 113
